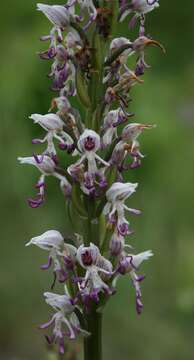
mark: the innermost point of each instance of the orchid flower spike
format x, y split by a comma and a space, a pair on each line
115, 207
101, 78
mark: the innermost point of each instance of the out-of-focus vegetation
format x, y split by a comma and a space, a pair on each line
166, 194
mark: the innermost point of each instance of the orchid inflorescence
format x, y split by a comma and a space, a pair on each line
101, 145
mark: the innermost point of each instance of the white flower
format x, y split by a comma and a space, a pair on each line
51, 239
91, 260
111, 120
53, 124
144, 6
89, 141
58, 15
88, 144
129, 145
119, 42
84, 5
136, 260
47, 167
45, 164
132, 262
116, 43
140, 7
132, 131
120, 191
53, 242
48, 122
129, 264
115, 207
63, 320
59, 302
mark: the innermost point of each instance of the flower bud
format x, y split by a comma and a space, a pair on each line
116, 245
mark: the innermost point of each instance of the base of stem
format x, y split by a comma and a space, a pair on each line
93, 343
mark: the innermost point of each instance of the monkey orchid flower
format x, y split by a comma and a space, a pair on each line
130, 264
115, 207
95, 265
111, 121
53, 124
139, 7
47, 168
65, 322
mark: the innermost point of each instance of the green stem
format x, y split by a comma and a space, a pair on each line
93, 343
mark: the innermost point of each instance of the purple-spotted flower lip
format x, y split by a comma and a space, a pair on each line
87, 258
89, 141
87, 255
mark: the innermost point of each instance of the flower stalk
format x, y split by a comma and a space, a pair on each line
93, 344
92, 64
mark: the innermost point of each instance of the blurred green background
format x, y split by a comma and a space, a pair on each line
166, 194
